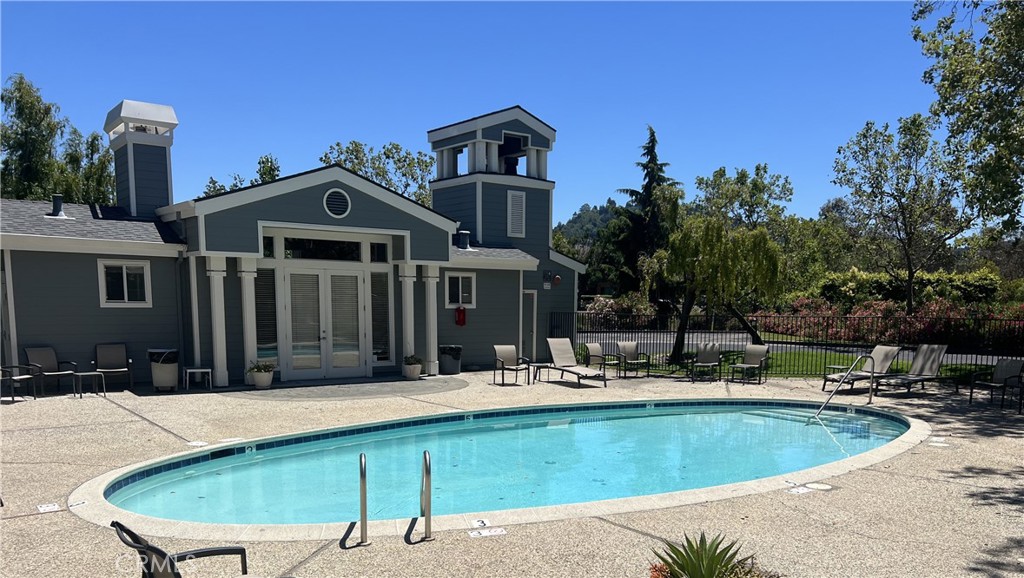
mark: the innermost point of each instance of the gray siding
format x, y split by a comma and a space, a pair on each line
537, 140
121, 178
234, 332
192, 233
235, 229
453, 140
57, 300
458, 203
559, 298
494, 321
151, 187
205, 325
495, 219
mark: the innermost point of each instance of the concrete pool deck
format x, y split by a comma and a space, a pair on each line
952, 505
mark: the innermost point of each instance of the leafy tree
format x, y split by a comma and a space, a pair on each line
29, 136
749, 201
85, 173
267, 169
906, 195
213, 187
647, 202
393, 166
577, 236
978, 75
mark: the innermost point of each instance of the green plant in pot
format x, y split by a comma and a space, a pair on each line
262, 373
412, 367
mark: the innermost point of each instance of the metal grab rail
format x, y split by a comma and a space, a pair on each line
848, 372
363, 541
425, 497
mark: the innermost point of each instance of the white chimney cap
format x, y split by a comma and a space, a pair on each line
133, 111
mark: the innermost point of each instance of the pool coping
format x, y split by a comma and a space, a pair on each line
88, 502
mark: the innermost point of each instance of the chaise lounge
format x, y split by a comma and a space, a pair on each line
874, 367
925, 367
563, 359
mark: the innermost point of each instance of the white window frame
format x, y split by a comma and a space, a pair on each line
511, 195
102, 264
472, 294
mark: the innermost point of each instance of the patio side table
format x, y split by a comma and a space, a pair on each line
186, 376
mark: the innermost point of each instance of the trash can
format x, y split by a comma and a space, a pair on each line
450, 360
164, 365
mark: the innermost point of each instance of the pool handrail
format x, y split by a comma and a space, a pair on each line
867, 359
425, 497
363, 532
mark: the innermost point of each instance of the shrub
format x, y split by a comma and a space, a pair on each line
701, 558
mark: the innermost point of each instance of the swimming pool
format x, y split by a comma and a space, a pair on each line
501, 459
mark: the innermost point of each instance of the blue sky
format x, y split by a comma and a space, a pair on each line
724, 84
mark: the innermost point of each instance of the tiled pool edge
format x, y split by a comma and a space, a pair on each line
87, 501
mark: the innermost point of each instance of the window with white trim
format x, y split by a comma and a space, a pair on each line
124, 283
517, 214
461, 290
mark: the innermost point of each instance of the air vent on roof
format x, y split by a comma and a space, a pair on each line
337, 203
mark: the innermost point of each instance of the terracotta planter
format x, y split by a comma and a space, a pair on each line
411, 372
262, 379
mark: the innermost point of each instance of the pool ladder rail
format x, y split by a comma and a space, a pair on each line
425, 500
871, 386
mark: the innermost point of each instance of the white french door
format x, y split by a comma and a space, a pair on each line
326, 324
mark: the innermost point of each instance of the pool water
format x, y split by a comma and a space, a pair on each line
503, 462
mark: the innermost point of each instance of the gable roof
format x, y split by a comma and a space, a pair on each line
492, 118
89, 228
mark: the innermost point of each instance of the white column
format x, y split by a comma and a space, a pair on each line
430, 276
247, 272
473, 157
439, 162
481, 156
216, 270
531, 162
446, 163
492, 158
542, 164
407, 275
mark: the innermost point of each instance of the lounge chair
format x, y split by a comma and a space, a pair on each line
155, 563
16, 376
506, 359
1007, 374
709, 358
563, 359
603, 360
754, 358
45, 365
112, 359
924, 367
632, 359
880, 361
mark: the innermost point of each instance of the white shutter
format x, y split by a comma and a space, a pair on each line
516, 214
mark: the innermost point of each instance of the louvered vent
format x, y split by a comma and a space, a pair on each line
337, 203
516, 214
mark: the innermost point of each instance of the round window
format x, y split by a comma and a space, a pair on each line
337, 203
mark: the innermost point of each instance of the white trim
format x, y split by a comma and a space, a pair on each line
216, 270
348, 202
102, 264
21, 242
12, 326
480, 212
407, 276
197, 358
430, 278
490, 120
184, 210
246, 269
202, 233
496, 178
459, 261
508, 223
318, 178
566, 261
472, 296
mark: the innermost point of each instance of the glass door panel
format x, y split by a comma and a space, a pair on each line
346, 350
306, 322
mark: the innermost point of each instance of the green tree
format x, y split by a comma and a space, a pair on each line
267, 169
29, 135
748, 200
906, 196
213, 187
978, 75
86, 171
405, 172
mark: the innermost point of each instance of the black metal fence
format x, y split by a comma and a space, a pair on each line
801, 345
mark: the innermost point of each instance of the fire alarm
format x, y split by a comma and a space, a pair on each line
557, 280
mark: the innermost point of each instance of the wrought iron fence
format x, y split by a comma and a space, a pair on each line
801, 345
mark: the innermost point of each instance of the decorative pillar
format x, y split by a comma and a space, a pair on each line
216, 270
247, 272
542, 164
480, 155
492, 158
473, 157
531, 163
407, 275
430, 277
439, 162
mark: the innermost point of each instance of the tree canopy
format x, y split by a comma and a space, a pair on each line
403, 171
